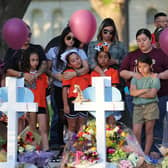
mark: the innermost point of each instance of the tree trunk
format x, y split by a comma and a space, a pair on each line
10, 9
118, 11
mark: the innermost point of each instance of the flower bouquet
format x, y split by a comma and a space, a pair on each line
29, 149
81, 152
28, 141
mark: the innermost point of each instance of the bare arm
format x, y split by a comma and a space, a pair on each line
163, 75
65, 99
28, 77
79, 72
42, 69
129, 74
150, 94
13, 73
137, 92
84, 69
55, 76
99, 70
126, 74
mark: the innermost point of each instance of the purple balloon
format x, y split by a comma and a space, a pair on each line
163, 40
15, 33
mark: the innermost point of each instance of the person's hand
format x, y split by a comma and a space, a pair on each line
137, 75
66, 109
102, 74
158, 75
57, 76
69, 75
113, 61
155, 75
29, 78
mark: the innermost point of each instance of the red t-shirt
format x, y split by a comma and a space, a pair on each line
113, 73
83, 81
40, 90
160, 64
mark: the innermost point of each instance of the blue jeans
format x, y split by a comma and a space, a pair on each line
57, 123
129, 108
158, 131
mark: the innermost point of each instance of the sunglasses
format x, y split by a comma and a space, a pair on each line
105, 31
30, 34
70, 38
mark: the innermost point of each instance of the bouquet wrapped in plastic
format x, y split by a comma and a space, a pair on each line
28, 141
29, 149
39, 158
122, 148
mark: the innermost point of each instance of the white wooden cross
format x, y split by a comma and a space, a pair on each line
12, 107
100, 106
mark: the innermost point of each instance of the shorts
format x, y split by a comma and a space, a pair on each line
145, 112
73, 113
42, 110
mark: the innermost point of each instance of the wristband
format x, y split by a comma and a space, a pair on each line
21, 75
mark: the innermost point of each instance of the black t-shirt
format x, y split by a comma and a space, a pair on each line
14, 58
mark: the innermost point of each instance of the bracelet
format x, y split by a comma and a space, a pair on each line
77, 73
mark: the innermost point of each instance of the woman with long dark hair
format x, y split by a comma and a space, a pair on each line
56, 66
107, 33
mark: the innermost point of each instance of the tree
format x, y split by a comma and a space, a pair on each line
118, 11
10, 9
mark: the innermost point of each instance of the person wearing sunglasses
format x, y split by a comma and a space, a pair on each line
55, 69
107, 33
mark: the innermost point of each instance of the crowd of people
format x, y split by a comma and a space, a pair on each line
141, 76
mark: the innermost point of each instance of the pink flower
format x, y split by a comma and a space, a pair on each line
110, 150
125, 164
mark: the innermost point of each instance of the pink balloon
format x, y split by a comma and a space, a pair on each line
163, 40
83, 25
15, 33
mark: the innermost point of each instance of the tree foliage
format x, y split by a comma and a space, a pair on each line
10, 9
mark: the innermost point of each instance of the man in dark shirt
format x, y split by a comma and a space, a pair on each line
160, 21
14, 61
14, 66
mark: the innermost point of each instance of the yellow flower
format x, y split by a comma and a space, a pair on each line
124, 134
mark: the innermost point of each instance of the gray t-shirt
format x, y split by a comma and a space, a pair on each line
145, 83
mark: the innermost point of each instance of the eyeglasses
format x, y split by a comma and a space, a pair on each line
70, 38
105, 31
